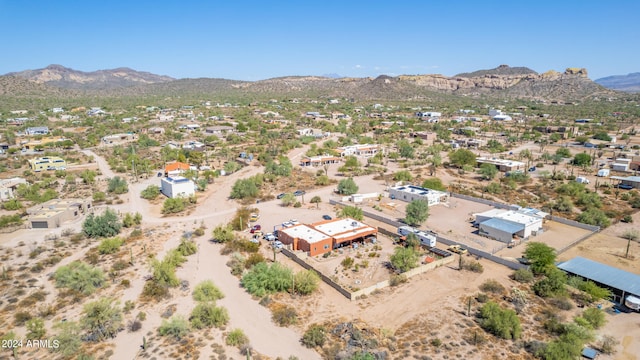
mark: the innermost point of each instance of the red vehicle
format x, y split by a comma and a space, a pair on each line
255, 228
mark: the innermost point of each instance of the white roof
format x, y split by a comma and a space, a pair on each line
343, 228
304, 232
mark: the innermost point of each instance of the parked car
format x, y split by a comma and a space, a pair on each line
533, 168
457, 249
299, 192
257, 234
160, 174
255, 228
278, 244
269, 237
280, 196
326, 217
254, 217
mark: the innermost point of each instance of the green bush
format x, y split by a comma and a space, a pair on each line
594, 317
223, 233
12, 205
404, 259
105, 225
80, 277
36, 329
473, 266
315, 336
207, 315
102, 319
69, 338
264, 279
187, 247
502, 323
164, 273
176, 327
237, 338
552, 285
523, 275
207, 291
117, 185
492, 286
151, 192
174, 205
155, 291
110, 246
9, 220
397, 279
306, 281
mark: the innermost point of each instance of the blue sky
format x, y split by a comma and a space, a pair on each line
253, 40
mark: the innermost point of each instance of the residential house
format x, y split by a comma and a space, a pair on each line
38, 130
508, 225
219, 130
54, 213
175, 168
316, 161
8, 186
47, 163
427, 137
366, 150
502, 164
410, 193
118, 138
177, 186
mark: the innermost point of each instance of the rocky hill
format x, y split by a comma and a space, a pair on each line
501, 82
66, 78
627, 83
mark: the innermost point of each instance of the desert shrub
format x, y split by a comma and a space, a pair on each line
306, 282
117, 185
223, 234
284, 315
492, 286
241, 245
593, 291
404, 259
79, 276
155, 291
69, 339
11, 205
21, 317
523, 275
608, 344
102, 319
237, 338
207, 315
503, 323
253, 259
263, 279
119, 265
177, 327
561, 303
104, 225
198, 232
473, 266
237, 264
207, 291
174, 205
347, 262
397, 279
134, 325
35, 328
174, 258
110, 246
594, 318
128, 306
150, 192
164, 273
552, 285
314, 336
187, 247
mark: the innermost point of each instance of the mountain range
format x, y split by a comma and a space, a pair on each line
627, 83
502, 82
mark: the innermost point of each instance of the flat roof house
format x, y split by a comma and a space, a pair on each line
316, 161
409, 193
360, 150
38, 130
178, 186
47, 163
53, 213
501, 164
8, 186
321, 237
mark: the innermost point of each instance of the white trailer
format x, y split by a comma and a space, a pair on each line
427, 238
603, 172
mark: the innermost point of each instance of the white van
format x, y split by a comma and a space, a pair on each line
582, 180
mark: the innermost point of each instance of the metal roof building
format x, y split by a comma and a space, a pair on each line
620, 281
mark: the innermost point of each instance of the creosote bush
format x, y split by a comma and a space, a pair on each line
207, 315
79, 276
237, 338
207, 291
177, 327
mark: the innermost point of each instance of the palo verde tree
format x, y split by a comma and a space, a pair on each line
417, 212
541, 256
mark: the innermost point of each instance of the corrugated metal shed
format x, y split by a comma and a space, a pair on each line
604, 274
503, 225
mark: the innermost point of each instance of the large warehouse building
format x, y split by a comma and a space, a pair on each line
507, 225
322, 237
625, 286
